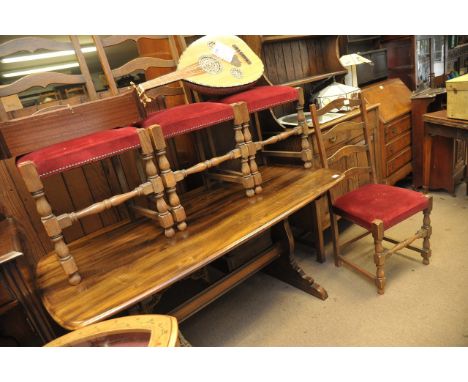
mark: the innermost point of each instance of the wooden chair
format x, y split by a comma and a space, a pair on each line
375, 207
150, 330
166, 123
56, 141
44, 79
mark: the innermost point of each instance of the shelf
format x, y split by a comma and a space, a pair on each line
363, 39
281, 37
318, 77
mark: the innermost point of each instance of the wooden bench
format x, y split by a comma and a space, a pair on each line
127, 262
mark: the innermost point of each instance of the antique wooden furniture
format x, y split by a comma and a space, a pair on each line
44, 79
56, 141
447, 154
11, 276
150, 330
375, 207
133, 260
438, 124
393, 137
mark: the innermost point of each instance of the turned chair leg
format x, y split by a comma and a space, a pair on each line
428, 232
379, 256
306, 151
167, 176
49, 220
257, 177
164, 217
247, 178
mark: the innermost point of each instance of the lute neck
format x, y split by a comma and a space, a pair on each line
179, 74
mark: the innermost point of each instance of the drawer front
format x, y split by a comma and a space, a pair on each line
399, 161
397, 127
397, 145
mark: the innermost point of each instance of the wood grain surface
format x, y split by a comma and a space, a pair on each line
127, 262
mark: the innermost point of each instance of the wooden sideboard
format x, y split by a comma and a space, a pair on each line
393, 136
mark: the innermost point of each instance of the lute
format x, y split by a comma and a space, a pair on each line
213, 64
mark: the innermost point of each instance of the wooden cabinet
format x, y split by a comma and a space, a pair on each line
393, 138
447, 155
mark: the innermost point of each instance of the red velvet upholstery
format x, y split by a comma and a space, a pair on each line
263, 97
79, 151
186, 118
390, 204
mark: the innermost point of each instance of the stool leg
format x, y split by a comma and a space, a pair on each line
167, 176
257, 177
428, 229
247, 178
306, 153
34, 185
379, 256
165, 218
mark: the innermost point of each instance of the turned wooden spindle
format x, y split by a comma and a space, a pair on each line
207, 164
306, 154
428, 232
247, 178
379, 256
49, 220
167, 176
164, 216
257, 177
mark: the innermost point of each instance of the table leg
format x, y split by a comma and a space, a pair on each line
427, 154
286, 268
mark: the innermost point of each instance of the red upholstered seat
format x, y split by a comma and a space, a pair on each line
186, 118
263, 97
390, 204
76, 152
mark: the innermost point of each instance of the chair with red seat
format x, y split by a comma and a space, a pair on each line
182, 119
375, 207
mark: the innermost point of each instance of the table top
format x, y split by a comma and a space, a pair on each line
127, 262
440, 118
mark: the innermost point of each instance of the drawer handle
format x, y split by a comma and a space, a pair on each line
394, 130
332, 139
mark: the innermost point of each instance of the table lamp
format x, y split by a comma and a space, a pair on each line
350, 61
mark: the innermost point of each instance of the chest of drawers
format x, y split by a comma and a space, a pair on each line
393, 135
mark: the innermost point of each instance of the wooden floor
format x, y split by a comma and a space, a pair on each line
125, 263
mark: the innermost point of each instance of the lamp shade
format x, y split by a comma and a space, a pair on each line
353, 59
334, 91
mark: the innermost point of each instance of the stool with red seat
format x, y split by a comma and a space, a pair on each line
375, 207
261, 98
59, 140
183, 119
